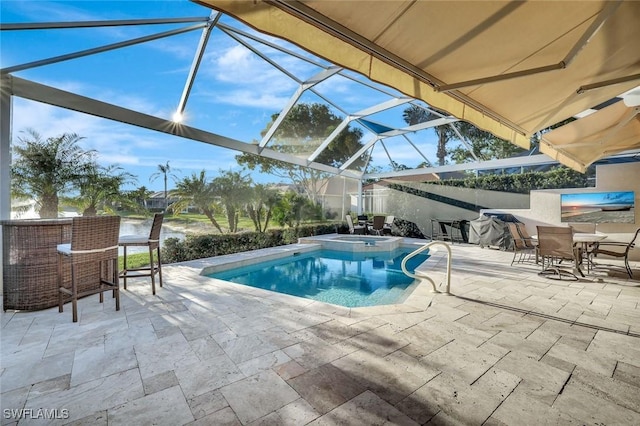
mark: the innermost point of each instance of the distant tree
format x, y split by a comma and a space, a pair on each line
483, 144
399, 166
138, 198
100, 189
165, 171
45, 169
302, 130
261, 205
486, 146
416, 115
234, 191
292, 208
196, 191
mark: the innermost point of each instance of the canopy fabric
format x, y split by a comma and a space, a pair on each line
511, 68
611, 130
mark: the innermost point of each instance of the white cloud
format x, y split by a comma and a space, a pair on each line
241, 78
114, 142
240, 66
251, 98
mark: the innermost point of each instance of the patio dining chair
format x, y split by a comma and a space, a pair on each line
555, 245
617, 249
388, 223
152, 242
520, 244
528, 239
377, 227
583, 227
354, 229
92, 256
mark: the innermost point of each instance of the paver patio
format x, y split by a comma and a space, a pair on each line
507, 348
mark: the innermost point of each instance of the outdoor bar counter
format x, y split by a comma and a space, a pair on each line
30, 262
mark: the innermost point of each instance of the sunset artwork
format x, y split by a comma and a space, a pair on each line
598, 207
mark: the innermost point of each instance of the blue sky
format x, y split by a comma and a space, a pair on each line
597, 198
235, 94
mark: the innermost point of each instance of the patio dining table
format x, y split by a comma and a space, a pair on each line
585, 240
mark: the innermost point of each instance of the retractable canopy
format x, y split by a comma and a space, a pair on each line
611, 130
511, 68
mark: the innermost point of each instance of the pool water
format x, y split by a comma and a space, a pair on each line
341, 278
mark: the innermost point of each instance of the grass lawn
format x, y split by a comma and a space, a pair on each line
200, 224
135, 260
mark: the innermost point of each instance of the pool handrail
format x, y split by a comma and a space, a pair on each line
424, 277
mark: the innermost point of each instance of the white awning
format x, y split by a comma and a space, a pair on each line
511, 68
609, 131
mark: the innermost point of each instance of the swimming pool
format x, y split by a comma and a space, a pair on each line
338, 277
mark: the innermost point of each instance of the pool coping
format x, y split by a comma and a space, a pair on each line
355, 243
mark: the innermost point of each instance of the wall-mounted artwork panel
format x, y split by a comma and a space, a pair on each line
598, 207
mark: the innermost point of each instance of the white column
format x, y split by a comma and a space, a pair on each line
5, 147
5, 159
360, 198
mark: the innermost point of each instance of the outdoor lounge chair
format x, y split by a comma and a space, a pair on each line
152, 241
555, 245
93, 248
617, 249
355, 229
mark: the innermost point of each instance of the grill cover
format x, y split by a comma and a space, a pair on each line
489, 231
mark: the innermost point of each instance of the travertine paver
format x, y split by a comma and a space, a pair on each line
259, 395
507, 348
169, 408
326, 387
365, 409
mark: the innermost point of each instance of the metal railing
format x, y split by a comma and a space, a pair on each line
424, 277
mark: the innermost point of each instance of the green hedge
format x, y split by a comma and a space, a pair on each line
202, 246
560, 177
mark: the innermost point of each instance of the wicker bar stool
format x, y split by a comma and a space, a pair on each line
152, 241
93, 258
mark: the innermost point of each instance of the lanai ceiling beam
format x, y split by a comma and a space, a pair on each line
101, 49
49, 95
195, 65
360, 152
92, 24
363, 113
321, 76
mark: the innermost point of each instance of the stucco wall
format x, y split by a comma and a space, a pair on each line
545, 204
421, 210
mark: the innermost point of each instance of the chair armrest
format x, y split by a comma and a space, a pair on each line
613, 244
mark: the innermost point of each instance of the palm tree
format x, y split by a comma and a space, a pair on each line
196, 191
164, 170
234, 190
44, 169
260, 207
415, 115
100, 189
137, 199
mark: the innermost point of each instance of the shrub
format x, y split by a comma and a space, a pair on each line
559, 177
405, 228
202, 246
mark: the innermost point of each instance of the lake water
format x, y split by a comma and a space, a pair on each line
143, 227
